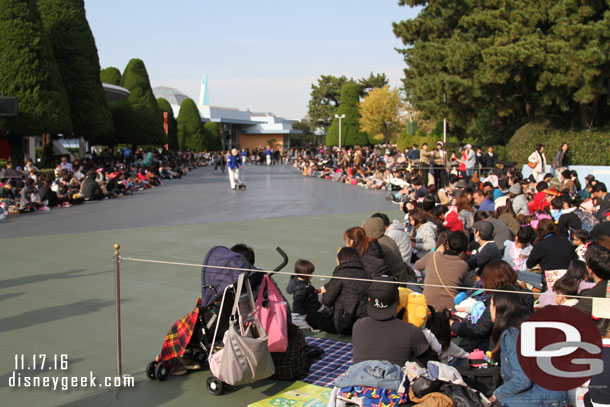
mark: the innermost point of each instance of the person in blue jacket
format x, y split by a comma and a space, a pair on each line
268, 156
507, 313
234, 163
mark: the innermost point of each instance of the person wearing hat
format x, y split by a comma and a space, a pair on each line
374, 228
234, 162
382, 336
488, 250
518, 199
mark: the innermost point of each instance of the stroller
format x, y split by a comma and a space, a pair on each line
192, 336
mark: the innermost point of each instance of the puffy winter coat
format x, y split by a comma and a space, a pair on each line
304, 296
348, 298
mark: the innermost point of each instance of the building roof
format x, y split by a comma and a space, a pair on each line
114, 93
172, 95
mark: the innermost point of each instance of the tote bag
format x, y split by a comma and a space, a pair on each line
272, 315
245, 357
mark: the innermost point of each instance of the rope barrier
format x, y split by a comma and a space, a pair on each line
368, 280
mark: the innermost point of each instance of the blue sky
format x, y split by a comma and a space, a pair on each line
262, 55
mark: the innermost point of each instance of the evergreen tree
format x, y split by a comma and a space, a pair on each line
212, 136
111, 76
76, 54
147, 116
350, 127
190, 128
324, 100
28, 70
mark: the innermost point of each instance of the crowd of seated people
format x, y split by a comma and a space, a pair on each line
99, 176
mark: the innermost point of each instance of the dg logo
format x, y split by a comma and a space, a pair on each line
560, 348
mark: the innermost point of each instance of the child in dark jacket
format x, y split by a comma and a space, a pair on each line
307, 311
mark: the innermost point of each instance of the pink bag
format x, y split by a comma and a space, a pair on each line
273, 316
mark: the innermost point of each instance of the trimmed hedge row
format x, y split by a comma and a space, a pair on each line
586, 147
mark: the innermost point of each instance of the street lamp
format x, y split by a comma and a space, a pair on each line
340, 117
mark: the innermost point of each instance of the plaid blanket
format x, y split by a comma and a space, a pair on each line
337, 358
179, 335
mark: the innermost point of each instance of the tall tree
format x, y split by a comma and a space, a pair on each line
28, 70
350, 126
190, 128
380, 114
172, 125
324, 100
111, 75
149, 128
212, 136
372, 82
505, 63
76, 54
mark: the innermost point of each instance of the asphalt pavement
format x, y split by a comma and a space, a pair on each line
57, 277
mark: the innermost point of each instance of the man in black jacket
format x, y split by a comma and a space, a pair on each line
488, 251
488, 160
601, 193
598, 264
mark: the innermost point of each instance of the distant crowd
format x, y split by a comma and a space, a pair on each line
101, 176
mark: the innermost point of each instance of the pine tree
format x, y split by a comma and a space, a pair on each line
190, 128
76, 54
350, 127
148, 118
28, 70
172, 125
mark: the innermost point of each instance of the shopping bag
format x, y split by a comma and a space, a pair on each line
272, 316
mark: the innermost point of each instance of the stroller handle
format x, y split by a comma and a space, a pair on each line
284, 259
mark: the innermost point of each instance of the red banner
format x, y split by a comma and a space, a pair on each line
165, 122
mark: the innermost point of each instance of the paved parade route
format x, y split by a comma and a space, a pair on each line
57, 283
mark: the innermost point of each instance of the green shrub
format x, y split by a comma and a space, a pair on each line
587, 147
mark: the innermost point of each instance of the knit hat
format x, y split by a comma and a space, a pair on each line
374, 227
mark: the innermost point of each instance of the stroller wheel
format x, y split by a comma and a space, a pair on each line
161, 371
215, 386
150, 369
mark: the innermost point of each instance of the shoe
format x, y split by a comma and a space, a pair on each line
233, 188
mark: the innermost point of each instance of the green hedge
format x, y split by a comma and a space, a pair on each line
586, 147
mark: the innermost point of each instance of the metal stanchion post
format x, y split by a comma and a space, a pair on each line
117, 284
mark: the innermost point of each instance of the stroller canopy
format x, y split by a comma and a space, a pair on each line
214, 280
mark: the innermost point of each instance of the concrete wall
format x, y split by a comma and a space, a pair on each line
599, 172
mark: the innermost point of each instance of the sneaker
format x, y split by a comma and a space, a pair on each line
44, 208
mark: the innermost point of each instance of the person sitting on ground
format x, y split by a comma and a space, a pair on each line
369, 250
374, 228
396, 231
517, 252
425, 233
603, 227
306, 306
578, 272
501, 232
477, 335
382, 336
508, 313
347, 298
488, 251
564, 288
484, 201
90, 189
580, 238
550, 252
445, 267
598, 264
518, 199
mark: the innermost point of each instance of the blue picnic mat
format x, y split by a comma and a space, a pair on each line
337, 358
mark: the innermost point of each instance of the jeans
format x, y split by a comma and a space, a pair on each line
372, 373
532, 278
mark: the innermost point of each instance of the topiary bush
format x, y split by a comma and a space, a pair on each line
586, 147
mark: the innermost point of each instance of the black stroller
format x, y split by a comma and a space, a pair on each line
191, 336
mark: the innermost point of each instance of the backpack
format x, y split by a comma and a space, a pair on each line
294, 363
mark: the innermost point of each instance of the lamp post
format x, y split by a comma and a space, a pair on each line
445, 121
340, 117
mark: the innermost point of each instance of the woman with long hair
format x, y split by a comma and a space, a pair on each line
508, 313
465, 212
369, 250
